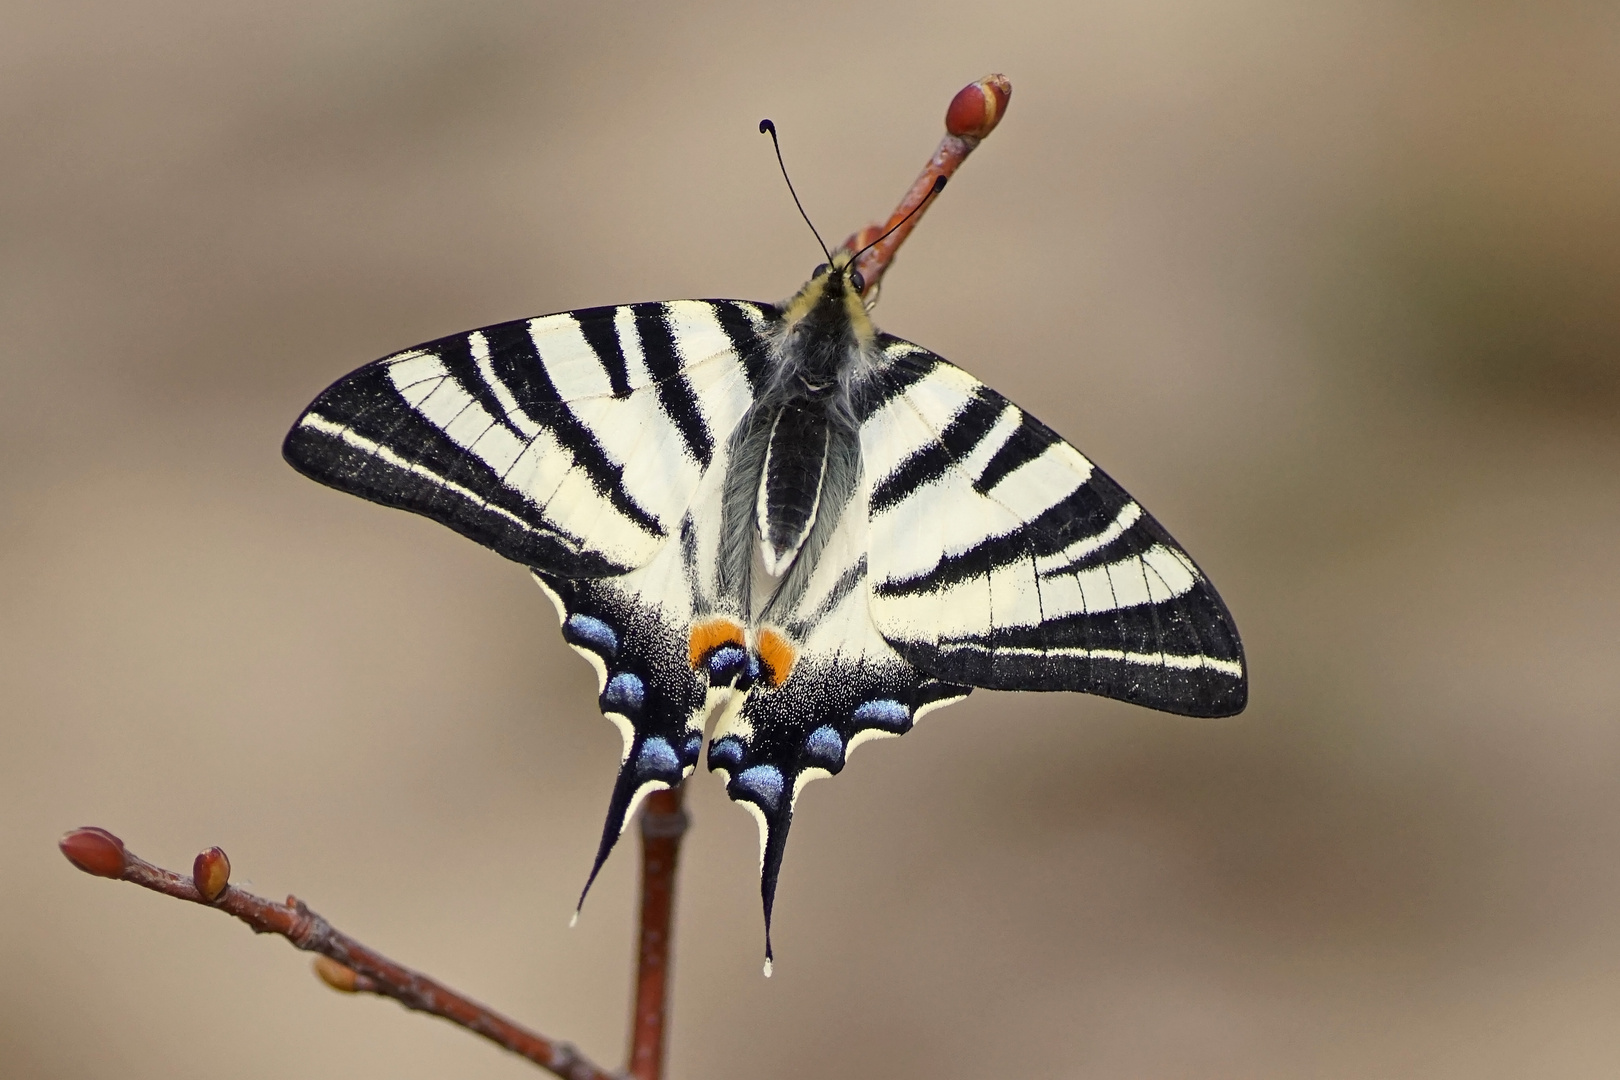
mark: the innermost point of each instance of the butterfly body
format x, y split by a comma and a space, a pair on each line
779, 525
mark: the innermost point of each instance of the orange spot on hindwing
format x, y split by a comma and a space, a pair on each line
776, 657
709, 636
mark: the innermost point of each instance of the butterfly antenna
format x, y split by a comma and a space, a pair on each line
765, 126
939, 186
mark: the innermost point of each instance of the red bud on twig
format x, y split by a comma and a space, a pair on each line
973, 113
211, 872
977, 108
95, 851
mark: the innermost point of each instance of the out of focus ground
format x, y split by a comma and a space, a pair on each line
1334, 289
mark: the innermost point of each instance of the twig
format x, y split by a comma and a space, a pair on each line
663, 823
343, 964
972, 115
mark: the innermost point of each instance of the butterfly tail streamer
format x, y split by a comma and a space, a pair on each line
770, 869
765, 793
629, 789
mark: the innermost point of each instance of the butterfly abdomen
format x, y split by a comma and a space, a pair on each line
790, 482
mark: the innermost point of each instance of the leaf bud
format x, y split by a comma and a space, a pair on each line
211, 872
95, 851
978, 107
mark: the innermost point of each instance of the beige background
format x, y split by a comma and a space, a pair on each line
1333, 288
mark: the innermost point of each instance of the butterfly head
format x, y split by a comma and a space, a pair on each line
829, 305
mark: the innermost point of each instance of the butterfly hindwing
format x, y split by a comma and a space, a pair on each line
667, 652
824, 682
571, 443
1003, 558
634, 631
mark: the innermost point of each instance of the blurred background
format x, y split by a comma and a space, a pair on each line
1333, 288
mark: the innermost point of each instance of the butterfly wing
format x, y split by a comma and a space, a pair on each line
571, 443
828, 682
977, 548
576, 444
1001, 557
635, 631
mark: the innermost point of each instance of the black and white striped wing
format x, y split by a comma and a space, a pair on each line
591, 446
635, 632
1001, 557
835, 684
571, 443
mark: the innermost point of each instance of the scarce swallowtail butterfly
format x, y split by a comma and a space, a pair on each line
778, 517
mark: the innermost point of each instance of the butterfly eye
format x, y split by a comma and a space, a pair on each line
857, 281
818, 271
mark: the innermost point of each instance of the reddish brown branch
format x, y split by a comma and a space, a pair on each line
344, 963
663, 823
972, 115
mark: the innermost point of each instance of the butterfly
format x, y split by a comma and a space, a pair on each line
778, 519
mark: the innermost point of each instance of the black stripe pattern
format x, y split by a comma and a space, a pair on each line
570, 443
1003, 558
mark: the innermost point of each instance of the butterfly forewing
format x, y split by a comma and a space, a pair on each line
572, 443
1001, 557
